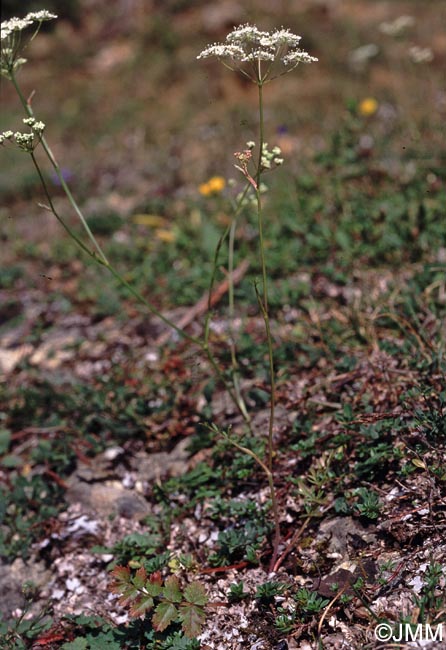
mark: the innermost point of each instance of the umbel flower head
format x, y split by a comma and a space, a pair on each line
12, 41
25, 141
257, 54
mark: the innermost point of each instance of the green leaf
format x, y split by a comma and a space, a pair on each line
153, 588
192, 618
121, 575
141, 605
164, 615
139, 578
103, 641
77, 644
171, 590
5, 439
195, 593
177, 641
128, 593
10, 461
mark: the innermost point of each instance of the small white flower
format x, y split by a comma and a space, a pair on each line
293, 58
359, 58
258, 55
281, 37
421, 54
251, 144
29, 121
24, 141
40, 16
397, 26
271, 158
38, 127
19, 24
220, 51
245, 34
14, 25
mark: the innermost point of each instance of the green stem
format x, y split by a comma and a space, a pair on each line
235, 380
203, 346
59, 174
272, 491
233, 349
264, 300
103, 261
107, 265
52, 209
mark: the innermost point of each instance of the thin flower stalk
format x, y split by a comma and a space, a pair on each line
27, 106
230, 231
261, 57
272, 490
202, 344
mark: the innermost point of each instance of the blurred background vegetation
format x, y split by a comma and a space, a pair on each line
138, 124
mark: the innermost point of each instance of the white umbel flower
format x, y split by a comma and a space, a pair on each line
231, 51
13, 42
25, 141
40, 16
264, 52
299, 56
397, 26
421, 54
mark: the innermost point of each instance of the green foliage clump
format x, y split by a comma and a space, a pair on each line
172, 604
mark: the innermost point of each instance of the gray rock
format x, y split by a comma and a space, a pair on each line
12, 578
107, 498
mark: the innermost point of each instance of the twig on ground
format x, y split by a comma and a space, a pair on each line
202, 305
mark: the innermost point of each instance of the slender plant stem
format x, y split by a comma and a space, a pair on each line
234, 361
55, 164
203, 345
272, 491
235, 379
101, 258
263, 301
107, 265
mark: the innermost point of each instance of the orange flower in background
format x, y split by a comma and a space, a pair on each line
214, 186
368, 106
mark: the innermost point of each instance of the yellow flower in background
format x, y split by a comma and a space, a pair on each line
214, 186
164, 235
204, 189
217, 183
368, 106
